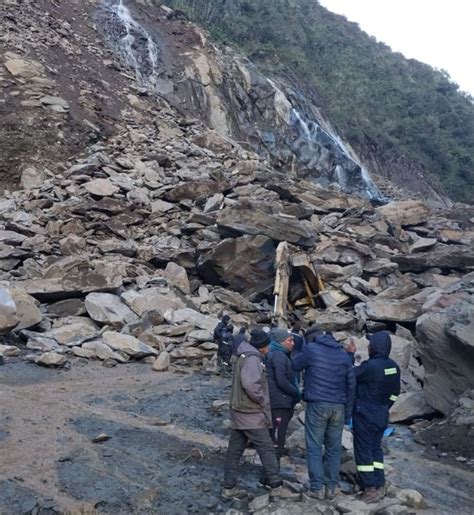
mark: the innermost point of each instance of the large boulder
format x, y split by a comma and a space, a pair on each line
102, 351
162, 363
27, 309
193, 317
233, 300
8, 313
192, 190
106, 308
331, 319
74, 333
68, 307
9, 351
153, 299
11, 238
32, 178
177, 276
446, 257
446, 348
395, 311
102, 187
51, 359
407, 212
128, 344
24, 69
409, 406
243, 264
73, 276
241, 220
401, 351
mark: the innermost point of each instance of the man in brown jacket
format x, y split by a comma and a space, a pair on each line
250, 416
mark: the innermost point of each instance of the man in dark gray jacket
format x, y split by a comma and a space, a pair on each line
250, 416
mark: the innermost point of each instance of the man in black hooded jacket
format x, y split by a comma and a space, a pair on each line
378, 386
284, 393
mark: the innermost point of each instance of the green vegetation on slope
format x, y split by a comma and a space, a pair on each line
373, 95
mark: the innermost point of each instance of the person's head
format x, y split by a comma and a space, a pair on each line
260, 340
226, 319
230, 328
380, 344
242, 330
284, 338
313, 332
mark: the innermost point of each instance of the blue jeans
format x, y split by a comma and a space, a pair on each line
324, 423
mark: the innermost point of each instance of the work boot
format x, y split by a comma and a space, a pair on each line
372, 495
233, 493
332, 493
316, 494
282, 492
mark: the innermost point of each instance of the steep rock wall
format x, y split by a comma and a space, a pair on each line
174, 59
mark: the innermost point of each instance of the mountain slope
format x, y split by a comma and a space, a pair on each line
408, 121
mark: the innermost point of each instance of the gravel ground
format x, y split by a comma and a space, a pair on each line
165, 451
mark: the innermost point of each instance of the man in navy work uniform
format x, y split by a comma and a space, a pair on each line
329, 386
378, 386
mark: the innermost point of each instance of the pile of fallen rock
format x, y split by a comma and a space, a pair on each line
398, 501
134, 251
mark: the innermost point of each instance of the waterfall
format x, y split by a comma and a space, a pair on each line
133, 44
294, 136
311, 133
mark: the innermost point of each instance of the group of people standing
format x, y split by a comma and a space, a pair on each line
273, 370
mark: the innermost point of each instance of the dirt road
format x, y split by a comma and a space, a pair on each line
48, 419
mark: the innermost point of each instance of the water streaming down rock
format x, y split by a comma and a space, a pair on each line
235, 99
130, 41
350, 175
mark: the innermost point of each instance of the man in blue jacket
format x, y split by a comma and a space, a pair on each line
378, 386
284, 393
329, 387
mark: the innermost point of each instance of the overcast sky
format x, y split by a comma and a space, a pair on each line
437, 32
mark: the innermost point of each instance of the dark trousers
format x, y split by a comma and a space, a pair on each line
224, 353
280, 420
368, 452
263, 444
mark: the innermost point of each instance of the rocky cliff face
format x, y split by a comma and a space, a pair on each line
173, 59
132, 248
228, 94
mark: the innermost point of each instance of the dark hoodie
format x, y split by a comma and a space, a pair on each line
328, 372
284, 393
378, 378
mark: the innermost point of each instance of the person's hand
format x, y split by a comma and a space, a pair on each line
351, 346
